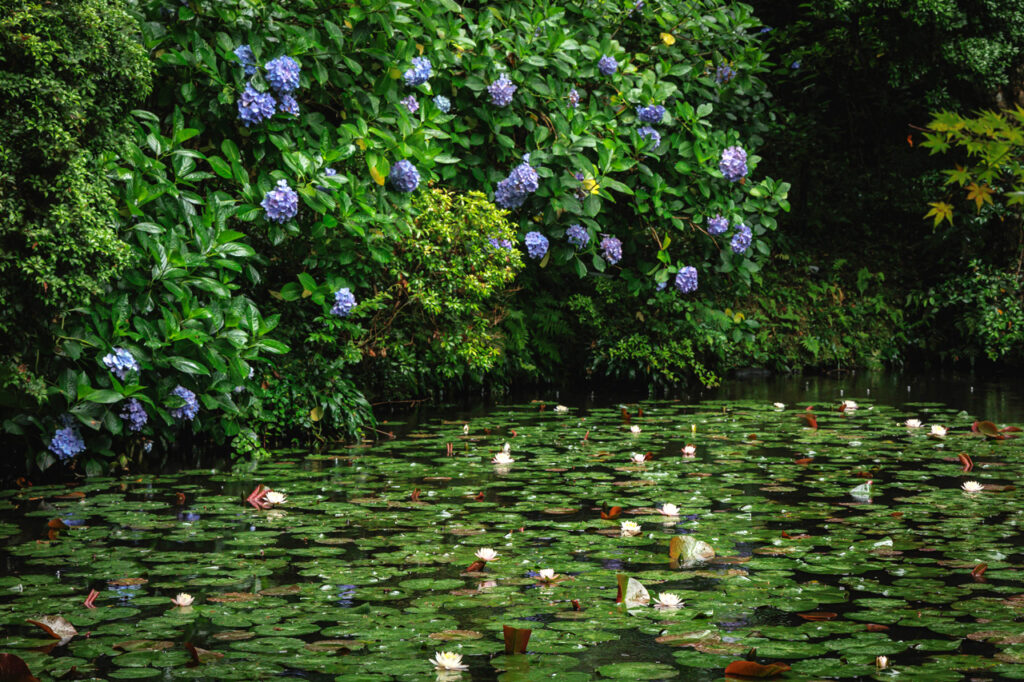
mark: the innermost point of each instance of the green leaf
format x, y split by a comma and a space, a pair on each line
187, 366
220, 167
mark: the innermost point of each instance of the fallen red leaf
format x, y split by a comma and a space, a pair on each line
979, 570
803, 460
875, 627
575, 604
200, 656
809, 420
516, 639
477, 565
180, 497
896, 515
13, 669
1011, 429
966, 460
57, 627
479, 496
818, 615
625, 415
57, 524
752, 669
586, 435
90, 599
416, 495
611, 513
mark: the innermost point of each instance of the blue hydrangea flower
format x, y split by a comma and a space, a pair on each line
607, 65
443, 103
574, 98
648, 132
513, 190
733, 164
577, 236
255, 106
501, 243
411, 104
718, 224
638, 5
652, 113
741, 239
611, 249
501, 91
419, 73
404, 177
724, 73
134, 414
191, 407
281, 204
344, 302
795, 65
288, 105
536, 244
67, 442
686, 280
282, 74
247, 58
120, 362
765, 29
661, 286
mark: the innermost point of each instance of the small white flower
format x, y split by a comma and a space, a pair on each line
913, 423
690, 450
939, 431
547, 575
634, 429
779, 406
849, 405
273, 497
486, 554
183, 599
638, 458
669, 509
561, 409
448, 660
882, 662
629, 528
502, 458
465, 429
972, 487
668, 600
507, 447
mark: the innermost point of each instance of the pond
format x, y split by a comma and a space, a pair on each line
817, 540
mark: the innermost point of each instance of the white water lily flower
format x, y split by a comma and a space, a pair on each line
547, 575
465, 429
913, 423
629, 528
668, 600
507, 447
561, 409
939, 430
486, 554
779, 406
638, 458
881, 662
634, 429
690, 450
849, 405
669, 509
972, 487
274, 497
183, 599
502, 458
448, 660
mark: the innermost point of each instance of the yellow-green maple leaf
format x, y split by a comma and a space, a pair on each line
979, 194
940, 211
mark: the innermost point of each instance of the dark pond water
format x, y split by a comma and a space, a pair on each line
832, 545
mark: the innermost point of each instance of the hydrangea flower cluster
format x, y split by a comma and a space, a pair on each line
574, 98
741, 240
536, 244
66, 442
411, 104
282, 74
607, 65
247, 58
501, 91
254, 106
344, 302
419, 73
500, 243
404, 177
134, 414
289, 105
281, 204
724, 73
191, 407
443, 103
611, 249
718, 224
512, 191
120, 362
648, 132
733, 163
652, 113
686, 279
577, 236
